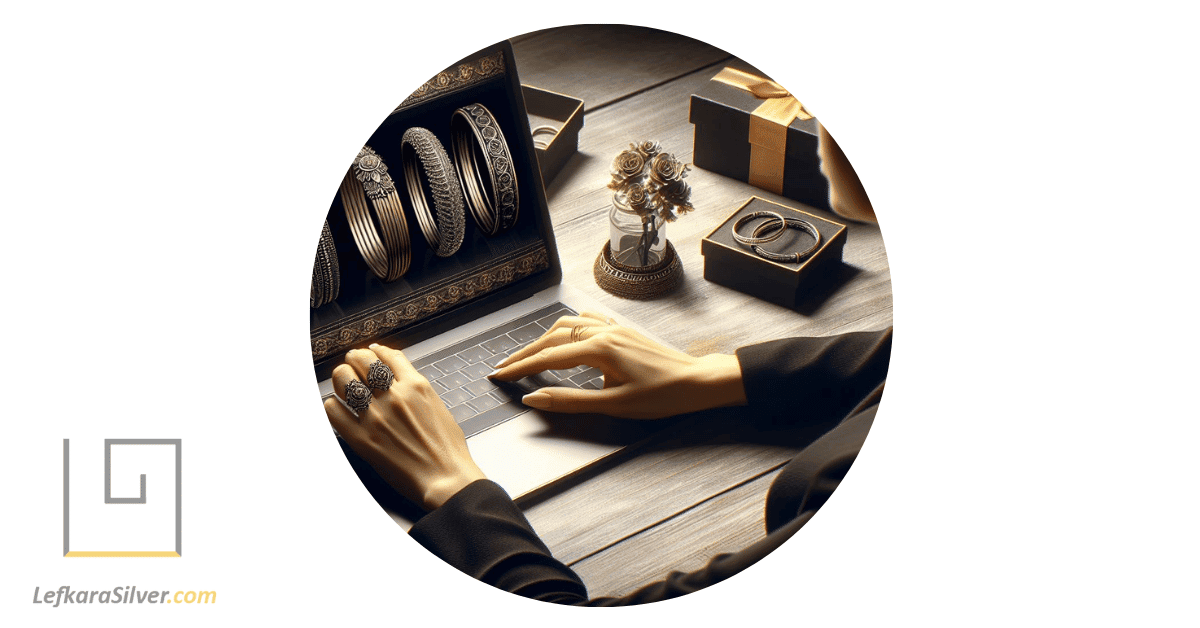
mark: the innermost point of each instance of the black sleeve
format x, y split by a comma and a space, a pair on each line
814, 379
481, 532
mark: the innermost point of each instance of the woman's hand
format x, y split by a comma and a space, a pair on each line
642, 379
406, 433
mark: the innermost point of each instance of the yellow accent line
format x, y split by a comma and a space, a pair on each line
122, 555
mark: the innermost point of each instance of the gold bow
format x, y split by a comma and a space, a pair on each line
768, 126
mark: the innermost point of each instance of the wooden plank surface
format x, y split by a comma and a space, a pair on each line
600, 63
684, 543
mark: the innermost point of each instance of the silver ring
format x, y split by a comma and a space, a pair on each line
612, 321
358, 396
379, 376
793, 223
755, 239
544, 129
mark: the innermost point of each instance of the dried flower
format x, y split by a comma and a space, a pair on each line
648, 149
627, 168
638, 198
664, 169
648, 181
675, 197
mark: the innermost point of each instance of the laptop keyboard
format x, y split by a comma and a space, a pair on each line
458, 373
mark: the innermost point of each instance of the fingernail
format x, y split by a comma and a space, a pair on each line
538, 400
373, 345
494, 373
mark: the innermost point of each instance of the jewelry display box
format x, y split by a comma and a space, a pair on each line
419, 304
736, 266
745, 129
562, 112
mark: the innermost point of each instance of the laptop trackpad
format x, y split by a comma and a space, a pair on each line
535, 449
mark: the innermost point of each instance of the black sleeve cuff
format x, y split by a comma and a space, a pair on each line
814, 380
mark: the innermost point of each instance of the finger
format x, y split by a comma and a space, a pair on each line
573, 400
553, 358
340, 417
607, 320
396, 360
559, 334
553, 338
363, 362
342, 376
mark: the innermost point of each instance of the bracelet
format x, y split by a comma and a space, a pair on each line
368, 178
751, 240
326, 279
445, 234
794, 223
495, 212
544, 129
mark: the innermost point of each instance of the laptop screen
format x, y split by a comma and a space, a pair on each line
440, 291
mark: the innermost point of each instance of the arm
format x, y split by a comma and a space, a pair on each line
784, 380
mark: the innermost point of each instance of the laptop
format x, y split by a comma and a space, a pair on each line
456, 317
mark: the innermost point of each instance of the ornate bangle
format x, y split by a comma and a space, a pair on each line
752, 240
793, 223
494, 206
368, 178
326, 279
445, 234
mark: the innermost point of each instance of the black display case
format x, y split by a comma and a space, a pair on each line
424, 301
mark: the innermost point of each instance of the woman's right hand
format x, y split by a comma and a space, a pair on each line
642, 379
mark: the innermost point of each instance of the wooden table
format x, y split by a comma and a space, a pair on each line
698, 489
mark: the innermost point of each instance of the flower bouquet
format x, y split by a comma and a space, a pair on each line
648, 192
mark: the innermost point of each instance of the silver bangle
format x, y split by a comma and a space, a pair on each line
492, 196
752, 240
326, 280
445, 233
793, 223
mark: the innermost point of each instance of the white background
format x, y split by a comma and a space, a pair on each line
165, 173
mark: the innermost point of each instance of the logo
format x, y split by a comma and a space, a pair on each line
108, 520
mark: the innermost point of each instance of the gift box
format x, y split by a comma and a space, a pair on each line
555, 120
734, 265
751, 129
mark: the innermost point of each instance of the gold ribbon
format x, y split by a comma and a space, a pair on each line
768, 126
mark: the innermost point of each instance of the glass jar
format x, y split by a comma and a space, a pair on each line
636, 240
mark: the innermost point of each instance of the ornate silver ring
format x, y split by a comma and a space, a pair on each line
379, 376
358, 396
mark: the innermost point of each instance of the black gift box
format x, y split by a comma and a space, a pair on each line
736, 266
561, 112
721, 114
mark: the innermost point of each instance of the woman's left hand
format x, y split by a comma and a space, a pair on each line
406, 433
